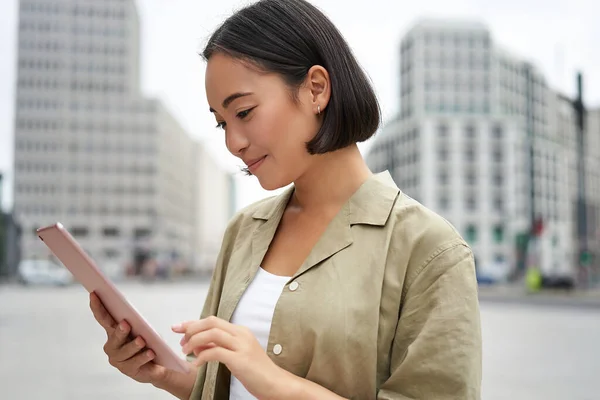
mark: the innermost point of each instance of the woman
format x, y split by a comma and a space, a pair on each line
342, 286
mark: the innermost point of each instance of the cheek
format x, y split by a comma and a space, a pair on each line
292, 130
273, 130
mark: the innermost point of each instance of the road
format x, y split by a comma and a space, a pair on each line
51, 348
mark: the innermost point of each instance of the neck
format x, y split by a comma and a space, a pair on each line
331, 180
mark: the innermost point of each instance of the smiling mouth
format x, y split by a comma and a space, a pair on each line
254, 165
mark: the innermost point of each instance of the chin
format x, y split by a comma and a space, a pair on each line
272, 184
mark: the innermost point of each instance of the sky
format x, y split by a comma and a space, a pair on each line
559, 37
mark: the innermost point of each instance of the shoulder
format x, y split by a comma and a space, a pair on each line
411, 227
426, 228
428, 236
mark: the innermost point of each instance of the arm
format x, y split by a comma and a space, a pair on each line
211, 306
190, 386
213, 298
436, 352
178, 384
297, 388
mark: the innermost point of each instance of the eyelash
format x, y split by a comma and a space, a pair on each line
240, 115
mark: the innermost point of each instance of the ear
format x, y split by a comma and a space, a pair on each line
319, 84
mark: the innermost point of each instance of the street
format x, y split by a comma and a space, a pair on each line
51, 347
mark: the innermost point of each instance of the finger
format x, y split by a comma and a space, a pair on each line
215, 335
100, 313
130, 349
132, 365
219, 354
118, 337
193, 327
198, 350
181, 327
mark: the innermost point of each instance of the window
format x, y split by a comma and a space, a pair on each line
497, 131
471, 203
470, 153
79, 231
498, 203
471, 234
443, 202
499, 234
141, 233
111, 232
498, 179
443, 177
442, 130
111, 253
471, 177
442, 154
497, 154
470, 131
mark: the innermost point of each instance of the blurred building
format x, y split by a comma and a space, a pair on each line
10, 233
10, 250
115, 168
471, 119
215, 197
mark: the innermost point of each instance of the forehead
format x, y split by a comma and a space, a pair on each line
222, 69
226, 75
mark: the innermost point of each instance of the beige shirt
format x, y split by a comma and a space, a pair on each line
384, 307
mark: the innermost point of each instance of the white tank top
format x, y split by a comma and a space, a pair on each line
255, 311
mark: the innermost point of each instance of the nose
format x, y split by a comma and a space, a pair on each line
235, 141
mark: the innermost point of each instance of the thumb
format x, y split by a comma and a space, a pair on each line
158, 373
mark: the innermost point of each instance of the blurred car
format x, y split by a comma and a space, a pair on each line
43, 272
493, 272
113, 271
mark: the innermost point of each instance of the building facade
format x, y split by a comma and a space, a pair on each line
90, 151
481, 139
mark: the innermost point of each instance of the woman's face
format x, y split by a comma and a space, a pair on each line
263, 126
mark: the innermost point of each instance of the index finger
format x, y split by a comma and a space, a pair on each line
190, 328
100, 313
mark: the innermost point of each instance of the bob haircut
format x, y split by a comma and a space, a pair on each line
288, 37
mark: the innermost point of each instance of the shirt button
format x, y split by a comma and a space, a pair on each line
293, 286
277, 349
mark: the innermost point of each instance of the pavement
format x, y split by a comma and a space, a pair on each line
51, 347
518, 294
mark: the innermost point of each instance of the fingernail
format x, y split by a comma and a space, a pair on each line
122, 326
177, 327
150, 353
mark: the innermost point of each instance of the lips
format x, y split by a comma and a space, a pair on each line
254, 163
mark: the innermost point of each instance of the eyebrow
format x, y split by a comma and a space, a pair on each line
231, 98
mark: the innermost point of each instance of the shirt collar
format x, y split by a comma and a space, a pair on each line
371, 204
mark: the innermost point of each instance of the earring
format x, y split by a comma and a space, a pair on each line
318, 109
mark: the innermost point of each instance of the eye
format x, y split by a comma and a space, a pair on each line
244, 114
221, 125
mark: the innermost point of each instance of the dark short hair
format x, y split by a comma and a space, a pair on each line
288, 37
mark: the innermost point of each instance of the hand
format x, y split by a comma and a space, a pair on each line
214, 339
124, 353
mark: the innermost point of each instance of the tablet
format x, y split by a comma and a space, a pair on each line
85, 271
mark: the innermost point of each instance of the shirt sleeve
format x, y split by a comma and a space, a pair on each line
211, 304
436, 353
